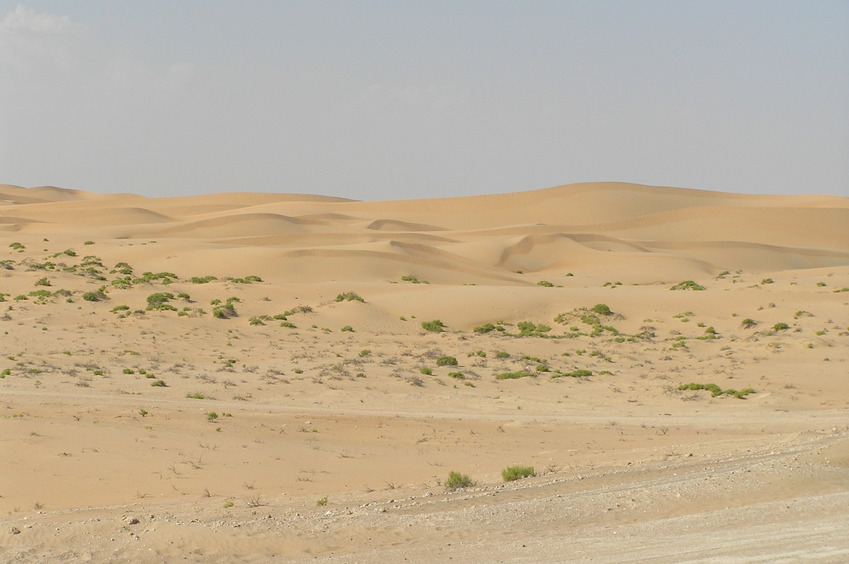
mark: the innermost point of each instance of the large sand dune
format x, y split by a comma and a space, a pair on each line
247, 377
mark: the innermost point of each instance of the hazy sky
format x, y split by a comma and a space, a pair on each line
399, 99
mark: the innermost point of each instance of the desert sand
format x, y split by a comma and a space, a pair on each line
251, 377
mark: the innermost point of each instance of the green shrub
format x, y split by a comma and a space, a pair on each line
717, 391
530, 329
446, 361
42, 282
158, 384
780, 327
687, 285
159, 301
202, 279
512, 375
601, 309
488, 327
457, 480
413, 280
767, 281
349, 297
426, 371
322, 501
517, 472
748, 323
347, 329
545, 284
246, 280
457, 375
435, 326
196, 395
580, 373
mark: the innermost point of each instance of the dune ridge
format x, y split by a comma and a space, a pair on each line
600, 218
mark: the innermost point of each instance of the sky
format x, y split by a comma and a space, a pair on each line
396, 99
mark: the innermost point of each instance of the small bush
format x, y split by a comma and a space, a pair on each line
545, 284
601, 309
748, 323
517, 472
512, 375
347, 329
531, 329
322, 501
196, 395
159, 384
780, 327
446, 361
349, 297
717, 391
488, 328
435, 326
42, 282
687, 285
579, 373
457, 480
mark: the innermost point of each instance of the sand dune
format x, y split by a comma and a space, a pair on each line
289, 378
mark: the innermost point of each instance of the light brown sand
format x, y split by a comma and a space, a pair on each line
98, 465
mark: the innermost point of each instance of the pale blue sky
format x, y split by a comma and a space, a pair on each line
387, 99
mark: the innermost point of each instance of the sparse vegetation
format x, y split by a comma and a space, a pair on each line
687, 285
446, 361
435, 326
349, 297
512, 473
579, 373
457, 480
716, 390
512, 375
488, 328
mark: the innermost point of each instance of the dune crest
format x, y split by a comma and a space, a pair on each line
584, 225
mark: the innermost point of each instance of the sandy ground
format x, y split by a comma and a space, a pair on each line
248, 377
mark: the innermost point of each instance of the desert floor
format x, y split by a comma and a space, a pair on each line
273, 378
